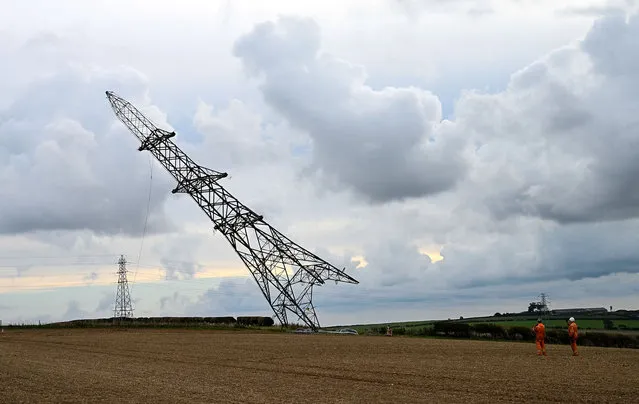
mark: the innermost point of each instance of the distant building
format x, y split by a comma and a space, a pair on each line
588, 310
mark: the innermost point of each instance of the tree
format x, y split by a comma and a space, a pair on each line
534, 307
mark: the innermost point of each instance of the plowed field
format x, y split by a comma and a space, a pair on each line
153, 366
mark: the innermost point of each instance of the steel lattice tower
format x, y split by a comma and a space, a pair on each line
123, 306
545, 303
284, 271
544, 309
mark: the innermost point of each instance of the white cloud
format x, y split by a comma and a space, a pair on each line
472, 7
383, 144
63, 168
534, 149
599, 8
558, 142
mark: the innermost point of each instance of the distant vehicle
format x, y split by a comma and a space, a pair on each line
348, 331
303, 331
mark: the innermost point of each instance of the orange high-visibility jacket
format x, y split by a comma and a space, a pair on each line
540, 331
572, 330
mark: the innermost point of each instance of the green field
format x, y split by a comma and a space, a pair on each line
583, 324
596, 330
596, 323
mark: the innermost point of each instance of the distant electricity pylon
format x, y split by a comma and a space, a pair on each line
123, 306
544, 305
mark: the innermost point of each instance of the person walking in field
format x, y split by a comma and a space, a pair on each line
573, 334
540, 337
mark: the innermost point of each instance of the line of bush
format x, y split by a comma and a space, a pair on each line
256, 321
160, 322
516, 333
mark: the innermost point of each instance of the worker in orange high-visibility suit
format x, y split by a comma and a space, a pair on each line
540, 337
573, 334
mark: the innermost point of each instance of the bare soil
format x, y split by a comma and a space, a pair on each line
181, 366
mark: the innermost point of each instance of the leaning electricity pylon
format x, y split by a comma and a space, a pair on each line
284, 271
123, 306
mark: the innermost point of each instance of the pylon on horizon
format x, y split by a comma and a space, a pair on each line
123, 305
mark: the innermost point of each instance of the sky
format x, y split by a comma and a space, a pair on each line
458, 158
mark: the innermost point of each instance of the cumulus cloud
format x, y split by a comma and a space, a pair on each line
552, 150
64, 164
385, 144
558, 143
237, 136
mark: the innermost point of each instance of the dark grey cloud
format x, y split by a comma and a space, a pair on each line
412, 301
478, 300
385, 144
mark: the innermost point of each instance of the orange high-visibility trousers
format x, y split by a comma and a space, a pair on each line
573, 346
541, 347
573, 333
